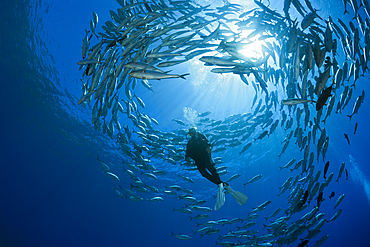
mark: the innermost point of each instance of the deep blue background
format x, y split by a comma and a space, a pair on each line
53, 192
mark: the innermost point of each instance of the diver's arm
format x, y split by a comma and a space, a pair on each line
187, 158
207, 144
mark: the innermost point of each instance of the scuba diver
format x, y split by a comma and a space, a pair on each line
199, 149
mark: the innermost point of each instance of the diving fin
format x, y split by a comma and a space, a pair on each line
238, 196
220, 197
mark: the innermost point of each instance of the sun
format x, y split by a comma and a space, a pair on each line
253, 48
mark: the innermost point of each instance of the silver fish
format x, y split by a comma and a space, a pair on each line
154, 75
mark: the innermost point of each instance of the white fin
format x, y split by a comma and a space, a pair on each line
238, 196
220, 197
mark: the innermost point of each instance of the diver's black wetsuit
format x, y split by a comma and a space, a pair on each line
196, 149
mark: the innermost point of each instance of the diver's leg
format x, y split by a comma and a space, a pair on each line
215, 177
202, 168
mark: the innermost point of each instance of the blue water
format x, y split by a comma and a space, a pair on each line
53, 191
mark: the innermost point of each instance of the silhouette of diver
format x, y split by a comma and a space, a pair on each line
199, 149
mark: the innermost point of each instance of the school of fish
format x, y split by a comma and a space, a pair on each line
299, 56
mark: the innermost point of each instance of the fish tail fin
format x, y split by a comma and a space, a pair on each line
345, 11
350, 117
183, 76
